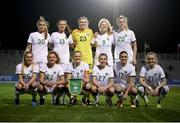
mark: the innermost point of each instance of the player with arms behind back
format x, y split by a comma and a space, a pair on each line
38, 42
103, 41
82, 38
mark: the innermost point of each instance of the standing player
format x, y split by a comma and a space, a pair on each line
82, 38
102, 80
27, 73
38, 42
51, 78
80, 70
124, 80
61, 41
125, 40
152, 78
104, 41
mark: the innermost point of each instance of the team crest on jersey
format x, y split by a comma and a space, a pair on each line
155, 74
54, 72
125, 35
146, 73
88, 34
106, 74
81, 71
125, 72
108, 39
30, 71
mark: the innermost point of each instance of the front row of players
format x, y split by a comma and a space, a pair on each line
104, 80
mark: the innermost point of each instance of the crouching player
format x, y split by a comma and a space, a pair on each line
27, 74
152, 78
124, 80
102, 79
79, 70
51, 78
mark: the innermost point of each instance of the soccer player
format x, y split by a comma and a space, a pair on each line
82, 38
124, 80
38, 42
51, 78
103, 41
125, 40
61, 41
79, 70
152, 78
27, 73
102, 80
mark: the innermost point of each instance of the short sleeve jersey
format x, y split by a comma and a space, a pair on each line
52, 74
27, 72
123, 72
152, 76
39, 46
77, 72
61, 45
83, 40
103, 75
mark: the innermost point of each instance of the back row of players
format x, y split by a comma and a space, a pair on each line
109, 76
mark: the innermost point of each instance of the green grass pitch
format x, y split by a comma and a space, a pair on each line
24, 112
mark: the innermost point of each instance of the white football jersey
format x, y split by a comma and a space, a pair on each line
104, 45
123, 72
103, 75
52, 74
152, 76
78, 72
27, 71
122, 41
39, 46
61, 45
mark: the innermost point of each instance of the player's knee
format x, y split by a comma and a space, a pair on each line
34, 85
88, 86
140, 89
94, 89
111, 90
118, 88
40, 88
18, 86
166, 89
134, 91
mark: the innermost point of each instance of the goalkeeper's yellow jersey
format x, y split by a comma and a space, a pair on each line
82, 39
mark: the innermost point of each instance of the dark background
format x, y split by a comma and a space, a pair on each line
155, 22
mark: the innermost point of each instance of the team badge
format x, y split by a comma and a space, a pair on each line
75, 86
81, 71
106, 74
88, 34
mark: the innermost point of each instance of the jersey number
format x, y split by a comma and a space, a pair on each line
83, 38
41, 41
121, 75
61, 41
150, 78
101, 78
